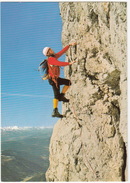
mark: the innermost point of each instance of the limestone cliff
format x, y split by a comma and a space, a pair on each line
90, 143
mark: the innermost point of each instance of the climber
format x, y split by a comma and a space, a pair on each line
54, 80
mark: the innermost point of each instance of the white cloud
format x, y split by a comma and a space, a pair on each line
26, 95
11, 128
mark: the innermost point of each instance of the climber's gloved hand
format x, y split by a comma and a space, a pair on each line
73, 44
72, 62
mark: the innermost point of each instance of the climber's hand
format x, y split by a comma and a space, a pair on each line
72, 62
72, 44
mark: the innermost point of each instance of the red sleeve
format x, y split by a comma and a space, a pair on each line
54, 61
60, 53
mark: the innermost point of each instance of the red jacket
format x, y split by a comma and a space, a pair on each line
54, 70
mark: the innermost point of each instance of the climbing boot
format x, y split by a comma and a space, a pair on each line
62, 98
56, 113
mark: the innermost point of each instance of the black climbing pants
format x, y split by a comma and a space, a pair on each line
60, 81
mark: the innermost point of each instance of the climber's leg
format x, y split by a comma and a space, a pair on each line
65, 88
56, 91
55, 109
67, 84
55, 103
62, 95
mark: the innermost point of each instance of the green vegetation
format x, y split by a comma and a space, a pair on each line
25, 154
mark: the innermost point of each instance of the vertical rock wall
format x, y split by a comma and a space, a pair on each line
90, 143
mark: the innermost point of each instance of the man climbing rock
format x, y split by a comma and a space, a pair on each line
54, 80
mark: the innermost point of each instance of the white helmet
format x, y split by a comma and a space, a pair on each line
45, 50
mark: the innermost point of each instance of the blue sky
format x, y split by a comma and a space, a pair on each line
26, 28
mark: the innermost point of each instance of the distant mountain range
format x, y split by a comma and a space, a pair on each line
10, 128
25, 153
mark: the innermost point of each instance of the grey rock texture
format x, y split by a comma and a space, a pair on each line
90, 143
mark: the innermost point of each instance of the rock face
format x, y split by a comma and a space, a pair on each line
90, 143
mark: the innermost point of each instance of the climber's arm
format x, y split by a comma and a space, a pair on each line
54, 61
59, 54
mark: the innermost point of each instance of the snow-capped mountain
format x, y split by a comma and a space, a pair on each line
15, 128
